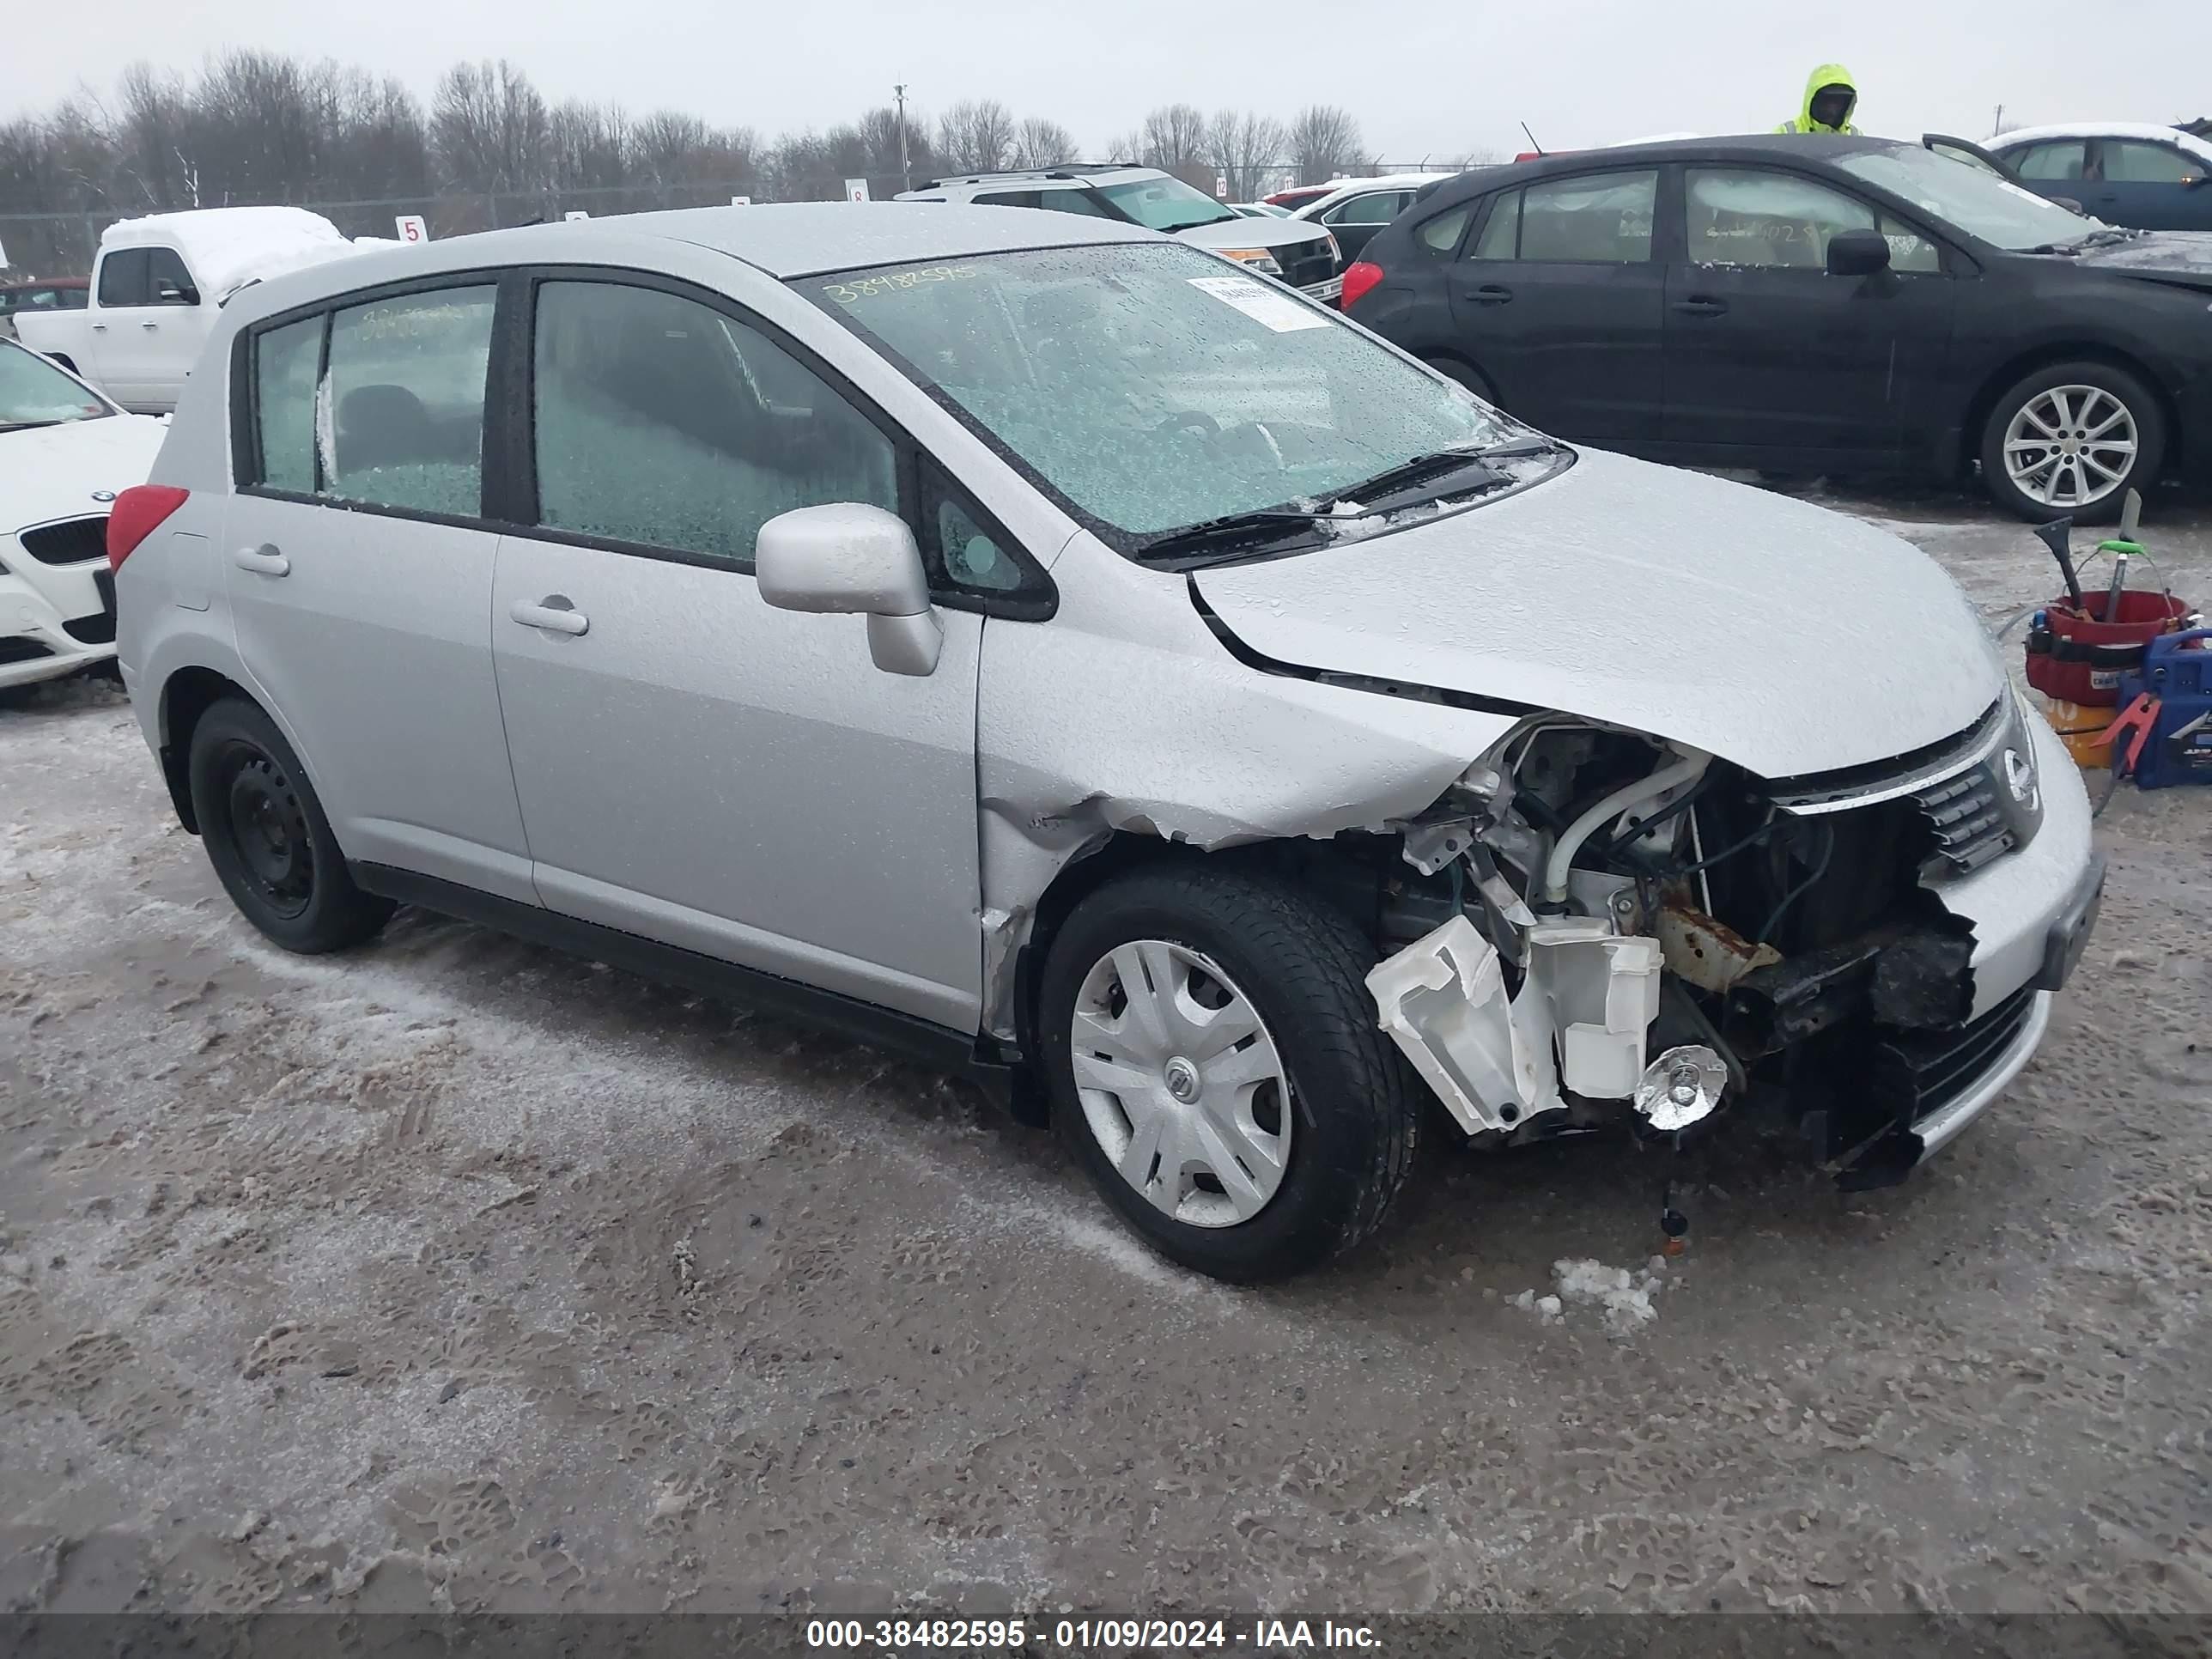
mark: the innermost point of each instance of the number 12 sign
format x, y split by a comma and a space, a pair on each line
411, 228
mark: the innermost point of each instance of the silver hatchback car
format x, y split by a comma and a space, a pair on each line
1038, 644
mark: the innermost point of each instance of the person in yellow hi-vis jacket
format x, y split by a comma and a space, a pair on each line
1831, 94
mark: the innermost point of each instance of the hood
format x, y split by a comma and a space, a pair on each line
50, 473
1828, 75
2180, 257
1241, 232
1779, 635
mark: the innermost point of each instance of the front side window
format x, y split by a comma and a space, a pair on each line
1603, 219
2131, 163
1778, 220
662, 422
1151, 390
1164, 204
33, 392
123, 277
1376, 207
285, 361
168, 283
401, 411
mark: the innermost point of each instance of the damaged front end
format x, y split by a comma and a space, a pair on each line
1595, 927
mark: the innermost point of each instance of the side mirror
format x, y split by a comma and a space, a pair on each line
170, 294
847, 558
1857, 253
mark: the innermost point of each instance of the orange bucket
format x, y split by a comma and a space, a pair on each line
2079, 728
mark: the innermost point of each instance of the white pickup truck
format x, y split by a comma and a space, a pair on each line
157, 286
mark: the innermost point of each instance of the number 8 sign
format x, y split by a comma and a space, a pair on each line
411, 228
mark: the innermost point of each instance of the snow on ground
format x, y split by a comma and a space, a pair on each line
455, 1271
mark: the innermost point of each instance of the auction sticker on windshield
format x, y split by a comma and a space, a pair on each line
1278, 311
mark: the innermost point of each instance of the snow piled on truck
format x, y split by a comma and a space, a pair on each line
226, 248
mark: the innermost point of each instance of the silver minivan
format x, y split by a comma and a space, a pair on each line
1042, 646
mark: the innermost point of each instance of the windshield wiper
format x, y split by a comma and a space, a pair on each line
1259, 525
1414, 470
24, 426
1192, 224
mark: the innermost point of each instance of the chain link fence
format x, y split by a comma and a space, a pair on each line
65, 244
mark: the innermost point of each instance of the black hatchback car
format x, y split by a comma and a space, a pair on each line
1815, 304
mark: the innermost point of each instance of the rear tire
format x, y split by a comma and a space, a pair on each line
2052, 445
1317, 1161
267, 837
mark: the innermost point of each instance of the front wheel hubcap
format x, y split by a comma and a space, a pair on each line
2071, 445
1179, 1083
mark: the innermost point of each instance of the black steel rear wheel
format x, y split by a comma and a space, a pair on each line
267, 837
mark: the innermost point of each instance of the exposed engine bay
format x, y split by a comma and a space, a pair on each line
1592, 925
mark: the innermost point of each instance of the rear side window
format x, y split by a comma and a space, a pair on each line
660, 422
123, 277
402, 409
2049, 161
1441, 234
285, 360
1021, 198
1602, 220
1501, 232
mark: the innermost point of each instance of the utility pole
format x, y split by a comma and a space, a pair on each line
2000, 126
906, 166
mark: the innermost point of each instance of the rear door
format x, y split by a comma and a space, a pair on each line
146, 343
2154, 186
695, 766
360, 576
1558, 300
1767, 354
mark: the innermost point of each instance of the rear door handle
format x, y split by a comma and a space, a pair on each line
1490, 294
553, 614
262, 561
1698, 306
99, 328
149, 324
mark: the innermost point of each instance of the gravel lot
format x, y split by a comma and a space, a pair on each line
458, 1274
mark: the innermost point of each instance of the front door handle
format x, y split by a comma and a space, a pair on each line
262, 561
149, 324
553, 613
1490, 294
1699, 306
99, 328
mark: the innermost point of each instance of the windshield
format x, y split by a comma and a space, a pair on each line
33, 392
1977, 201
1152, 387
1164, 203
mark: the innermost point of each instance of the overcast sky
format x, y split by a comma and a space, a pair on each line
1425, 79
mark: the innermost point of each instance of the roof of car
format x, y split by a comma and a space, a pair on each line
1086, 173
785, 240
1345, 189
2148, 130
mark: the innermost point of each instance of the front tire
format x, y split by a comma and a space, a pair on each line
267, 837
1214, 1062
2071, 441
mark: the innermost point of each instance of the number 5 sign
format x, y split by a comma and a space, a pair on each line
411, 228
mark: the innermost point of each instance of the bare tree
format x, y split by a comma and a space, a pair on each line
1246, 150
588, 146
880, 141
976, 134
1325, 144
1039, 142
1174, 141
489, 129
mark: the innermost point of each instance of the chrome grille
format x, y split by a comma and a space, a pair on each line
1969, 826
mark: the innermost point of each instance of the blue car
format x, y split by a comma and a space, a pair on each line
2124, 173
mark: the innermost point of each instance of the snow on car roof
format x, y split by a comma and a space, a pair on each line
226, 247
1341, 188
2149, 130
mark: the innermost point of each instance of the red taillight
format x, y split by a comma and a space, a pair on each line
1358, 277
137, 511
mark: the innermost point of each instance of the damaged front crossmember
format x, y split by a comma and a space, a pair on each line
1601, 927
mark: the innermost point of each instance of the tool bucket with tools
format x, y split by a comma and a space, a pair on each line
2078, 645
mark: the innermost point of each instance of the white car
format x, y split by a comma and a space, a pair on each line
1357, 208
65, 453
